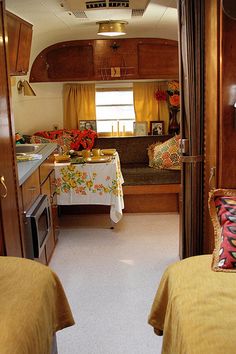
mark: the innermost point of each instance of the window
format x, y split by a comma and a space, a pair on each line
115, 110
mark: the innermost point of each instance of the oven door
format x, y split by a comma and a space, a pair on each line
39, 224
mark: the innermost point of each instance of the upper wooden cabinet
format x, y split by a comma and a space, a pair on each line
107, 59
19, 44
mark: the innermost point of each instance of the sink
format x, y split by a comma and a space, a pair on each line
28, 148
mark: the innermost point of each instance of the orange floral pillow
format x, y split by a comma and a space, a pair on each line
167, 155
150, 150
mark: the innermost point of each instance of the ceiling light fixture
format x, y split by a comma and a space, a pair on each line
111, 28
24, 86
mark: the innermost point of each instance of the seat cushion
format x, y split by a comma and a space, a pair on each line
140, 174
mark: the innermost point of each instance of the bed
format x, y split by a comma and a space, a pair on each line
194, 309
33, 307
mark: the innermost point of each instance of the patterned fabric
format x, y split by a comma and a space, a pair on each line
223, 212
91, 183
150, 151
166, 155
73, 139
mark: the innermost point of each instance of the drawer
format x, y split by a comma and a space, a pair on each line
30, 190
46, 168
46, 189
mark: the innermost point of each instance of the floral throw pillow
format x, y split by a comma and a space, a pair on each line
167, 155
222, 207
150, 151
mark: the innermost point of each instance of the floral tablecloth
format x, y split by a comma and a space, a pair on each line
91, 183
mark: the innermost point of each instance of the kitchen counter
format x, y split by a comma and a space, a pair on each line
26, 168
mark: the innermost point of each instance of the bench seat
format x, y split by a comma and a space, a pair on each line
145, 189
140, 174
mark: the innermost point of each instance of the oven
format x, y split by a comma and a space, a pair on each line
37, 227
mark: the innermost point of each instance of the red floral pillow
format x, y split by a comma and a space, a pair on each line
222, 206
72, 138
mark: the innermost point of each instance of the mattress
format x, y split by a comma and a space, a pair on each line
33, 306
194, 309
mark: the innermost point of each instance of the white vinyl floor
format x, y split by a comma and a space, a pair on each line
110, 278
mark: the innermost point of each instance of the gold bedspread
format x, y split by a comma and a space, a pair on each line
33, 306
195, 308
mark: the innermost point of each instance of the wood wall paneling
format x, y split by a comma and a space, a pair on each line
227, 131
211, 148
115, 53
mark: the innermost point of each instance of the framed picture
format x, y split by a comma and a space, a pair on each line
88, 124
140, 128
157, 127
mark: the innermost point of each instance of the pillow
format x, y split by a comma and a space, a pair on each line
64, 141
150, 150
222, 208
167, 155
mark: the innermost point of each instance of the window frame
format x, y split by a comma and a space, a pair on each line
113, 89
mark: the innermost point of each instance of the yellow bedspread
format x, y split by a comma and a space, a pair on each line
195, 308
33, 306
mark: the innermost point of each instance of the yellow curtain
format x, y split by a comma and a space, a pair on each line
79, 104
146, 107
163, 110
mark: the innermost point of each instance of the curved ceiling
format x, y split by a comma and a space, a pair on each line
53, 22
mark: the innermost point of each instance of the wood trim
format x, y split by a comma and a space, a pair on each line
152, 189
9, 207
151, 203
211, 139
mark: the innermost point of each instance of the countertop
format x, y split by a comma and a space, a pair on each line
26, 168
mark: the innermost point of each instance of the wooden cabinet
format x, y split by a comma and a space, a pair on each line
41, 182
19, 44
90, 60
30, 190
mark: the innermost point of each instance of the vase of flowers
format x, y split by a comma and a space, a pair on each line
174, 106
171, 96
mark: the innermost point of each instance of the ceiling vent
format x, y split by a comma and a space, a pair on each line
137, 12
82, 8
79, 14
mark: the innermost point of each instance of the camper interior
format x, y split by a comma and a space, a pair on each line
115, 122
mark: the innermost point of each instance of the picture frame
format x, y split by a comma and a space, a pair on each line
140, 128
88, 124
157, 127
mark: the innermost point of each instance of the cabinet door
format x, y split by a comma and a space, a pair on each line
13, 29
19, 44
24, 47
30, 190
9, 207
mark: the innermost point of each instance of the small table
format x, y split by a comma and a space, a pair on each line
91, 183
